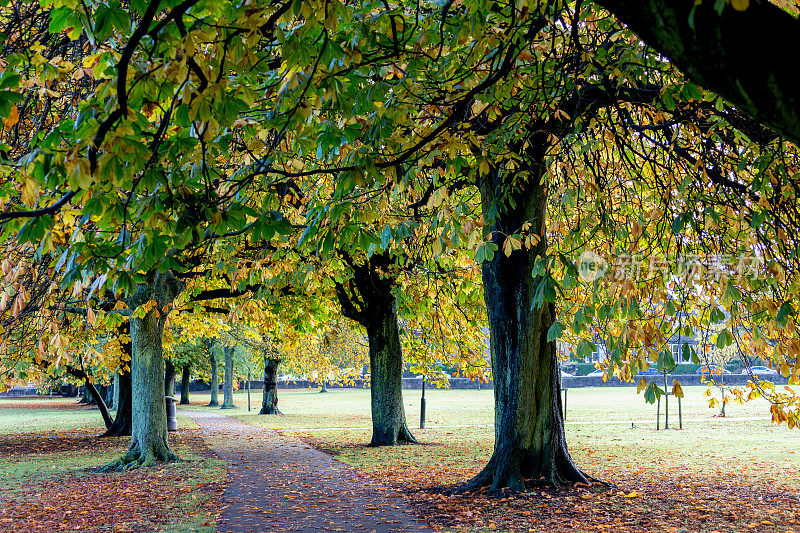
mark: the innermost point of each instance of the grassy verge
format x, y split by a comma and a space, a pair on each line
49, 454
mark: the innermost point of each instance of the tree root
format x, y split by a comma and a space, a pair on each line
274, 411
403, 436
498, 475
135, 458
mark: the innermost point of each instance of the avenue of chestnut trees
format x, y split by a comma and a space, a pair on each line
297, 177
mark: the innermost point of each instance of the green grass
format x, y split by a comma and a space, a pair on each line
18, 416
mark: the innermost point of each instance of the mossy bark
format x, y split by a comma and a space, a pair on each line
186, 375
530, 443
371, 302
269, 399
123, 420
149, 428
227, 402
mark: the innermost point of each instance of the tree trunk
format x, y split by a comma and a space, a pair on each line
214, 374
86, 397
116, 390
386, 377
371, 303
97, 399
110, 393
529, 424
149, 430
324, 387
90, 390
227, 402
123, 421
185, 377
269, 401
169, 378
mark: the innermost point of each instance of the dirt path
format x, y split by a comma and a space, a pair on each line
278, 483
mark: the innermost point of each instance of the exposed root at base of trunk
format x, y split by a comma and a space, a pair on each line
228, 406
498, 475
213, 404
183, 402
403, 436
270, 411
135, 458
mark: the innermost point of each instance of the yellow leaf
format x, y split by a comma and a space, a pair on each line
30, 191
12, 119
633, 494
677, 390
641, 386
740, 5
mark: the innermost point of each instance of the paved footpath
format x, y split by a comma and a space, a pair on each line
278, 483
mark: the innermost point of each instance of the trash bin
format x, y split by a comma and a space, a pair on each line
172, 421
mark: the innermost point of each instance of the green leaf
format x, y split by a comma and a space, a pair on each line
784, 313
555, 331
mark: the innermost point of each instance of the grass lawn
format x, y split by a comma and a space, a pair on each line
714, 474
48, 456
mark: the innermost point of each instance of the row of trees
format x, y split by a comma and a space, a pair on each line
435, 167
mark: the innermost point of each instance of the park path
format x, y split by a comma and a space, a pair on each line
278, 483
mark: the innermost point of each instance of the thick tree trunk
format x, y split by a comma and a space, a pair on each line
149, 430
389, 425
214, 374
185, 378
529, 425
269, 400
377, 312
169, 378
123, 421
227, 402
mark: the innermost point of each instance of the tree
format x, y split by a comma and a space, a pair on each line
731, 48
227, 402
186, 375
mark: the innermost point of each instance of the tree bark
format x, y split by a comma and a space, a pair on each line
377, 312
529, 424
123, 421
737, 54
149, 430
214, 374
227, 402
185, 378
269, 400
110, 393
116, 391
92, 392
169, 378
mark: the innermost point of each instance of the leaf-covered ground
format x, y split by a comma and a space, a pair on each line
48, 456
735, 474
